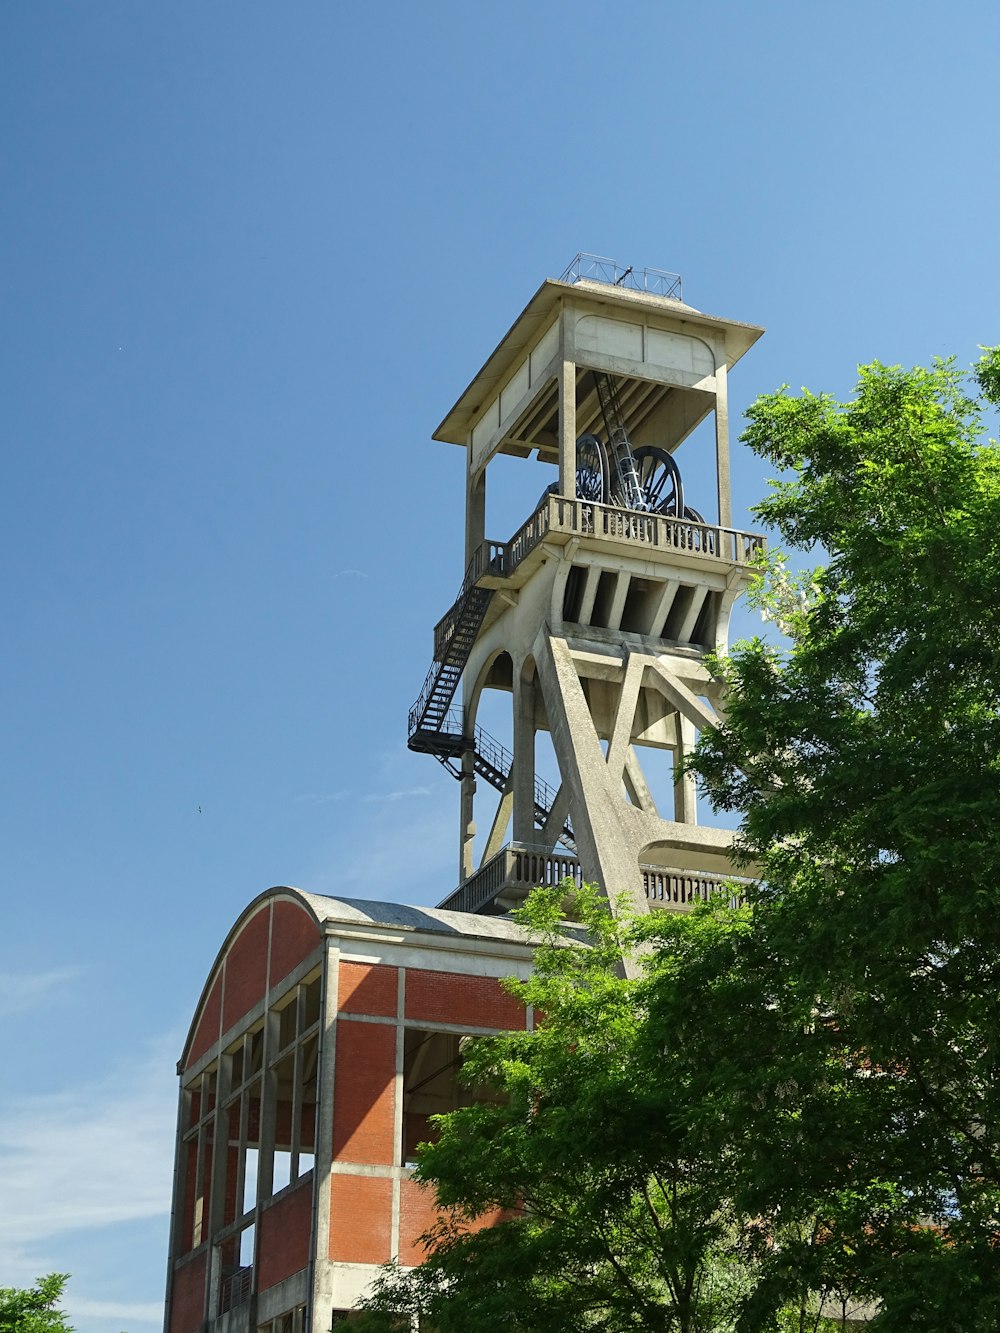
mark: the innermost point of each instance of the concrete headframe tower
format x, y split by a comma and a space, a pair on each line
597, 614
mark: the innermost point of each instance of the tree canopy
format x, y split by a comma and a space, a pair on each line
796, 1107
34, 1309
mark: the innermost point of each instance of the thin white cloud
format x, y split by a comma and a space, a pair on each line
403, 794
320, 798
357, 573
83, 1158
122, 1312
22, 991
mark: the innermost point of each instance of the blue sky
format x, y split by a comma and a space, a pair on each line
227, 533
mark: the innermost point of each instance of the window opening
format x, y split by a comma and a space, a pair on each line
431, 1064
293, 1321
310, 1003
198, 1141
287, 1024
250, 1179
236, 1258
260, 1138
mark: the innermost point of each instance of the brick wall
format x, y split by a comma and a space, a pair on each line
285, 1236
188, 1296
246, 969
364, 988
207, 1032
445, 997
364, 1087
361, 1219
294, 935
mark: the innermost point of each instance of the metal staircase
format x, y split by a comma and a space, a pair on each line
436, 728
492, 761
429, 729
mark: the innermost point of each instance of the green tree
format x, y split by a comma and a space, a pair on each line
610, 1218
33, 1309
866, 760
797, 1105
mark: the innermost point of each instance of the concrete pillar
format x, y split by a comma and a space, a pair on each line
686, 790
467, 822
722, 447
567, 430
524, 759
475, 511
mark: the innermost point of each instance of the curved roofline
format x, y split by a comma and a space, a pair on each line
276, 892
326, 911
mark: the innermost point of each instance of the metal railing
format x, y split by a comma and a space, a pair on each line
235, 1289
496, 754
587, 518
556, 513
519, 868
680, 888
597, 268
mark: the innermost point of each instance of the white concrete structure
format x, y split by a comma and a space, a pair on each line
597, 615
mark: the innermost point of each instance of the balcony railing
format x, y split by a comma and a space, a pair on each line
655, 531
584, 518
235, 1289
518, 868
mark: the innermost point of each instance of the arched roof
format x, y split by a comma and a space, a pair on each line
326, 912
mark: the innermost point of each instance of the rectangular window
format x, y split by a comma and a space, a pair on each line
249, 1128
431, 1062
198, 1159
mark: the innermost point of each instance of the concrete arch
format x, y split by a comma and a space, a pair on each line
482, 682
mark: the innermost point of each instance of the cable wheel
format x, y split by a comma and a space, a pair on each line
660, 479
591, 469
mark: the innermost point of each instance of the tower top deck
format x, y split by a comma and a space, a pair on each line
639, 335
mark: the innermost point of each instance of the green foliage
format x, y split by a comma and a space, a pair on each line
33, 1309
866, 757
795, 1107
613, 1218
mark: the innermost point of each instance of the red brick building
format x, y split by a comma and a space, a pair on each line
327, 1032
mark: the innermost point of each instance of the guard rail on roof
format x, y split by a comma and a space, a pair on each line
596, 268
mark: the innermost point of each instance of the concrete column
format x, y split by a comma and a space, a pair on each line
524, 759
686, 790
467, 822
324, 1135
722, 447
475, 511
567, 430
606, 829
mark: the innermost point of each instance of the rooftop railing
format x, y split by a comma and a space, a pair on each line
596, 268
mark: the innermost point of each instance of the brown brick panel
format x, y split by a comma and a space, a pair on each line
207, 1031
360, 1219
187, 1296
418, 1212
246, 969
367, 989
294, 935
448, 997
285, 1236
363, 1092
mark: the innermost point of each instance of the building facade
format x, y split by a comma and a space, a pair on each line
328, 1032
